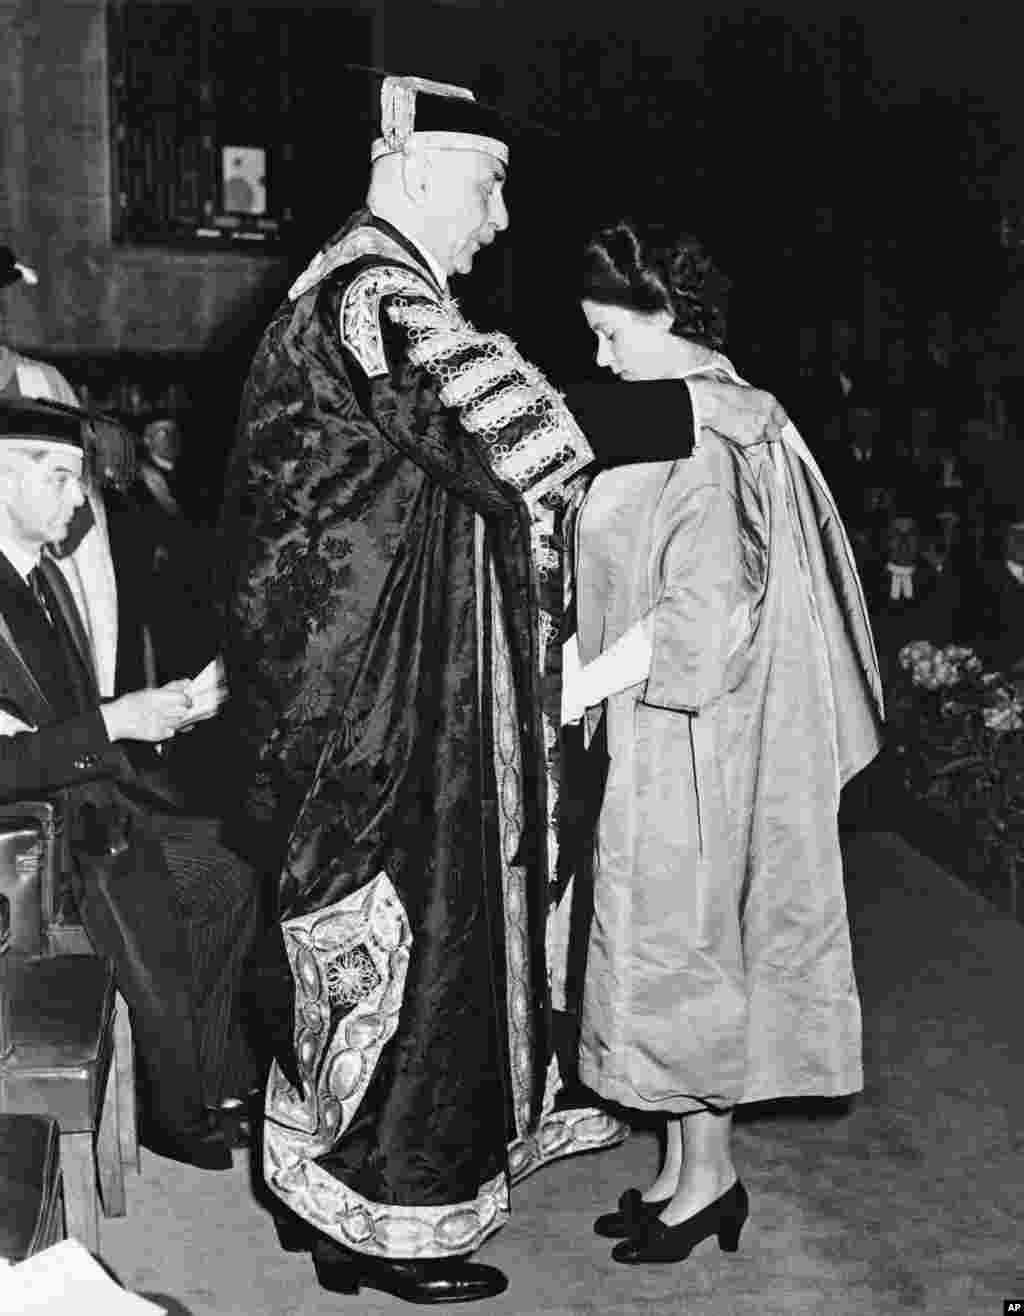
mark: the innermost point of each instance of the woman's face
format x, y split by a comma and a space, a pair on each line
633, 344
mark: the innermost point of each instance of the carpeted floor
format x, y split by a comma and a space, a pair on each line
911, 1199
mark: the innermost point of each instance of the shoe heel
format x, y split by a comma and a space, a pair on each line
340, 1281
293, 1234
337, 1276
729, 1235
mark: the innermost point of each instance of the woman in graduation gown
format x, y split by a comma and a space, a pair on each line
723, 637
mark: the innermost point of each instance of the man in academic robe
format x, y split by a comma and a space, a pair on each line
392, 523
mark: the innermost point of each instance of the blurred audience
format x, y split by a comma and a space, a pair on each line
161, 449
180, 620
927, 470
995, 624
910, 592
846, 381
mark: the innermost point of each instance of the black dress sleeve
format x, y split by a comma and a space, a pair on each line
646, 421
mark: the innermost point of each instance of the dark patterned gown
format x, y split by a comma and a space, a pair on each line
394, 593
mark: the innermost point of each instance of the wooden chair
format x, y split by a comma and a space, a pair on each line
61, 1065
63, 934
61, 1013
31, 1197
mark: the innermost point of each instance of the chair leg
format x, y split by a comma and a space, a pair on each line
78, 1162
127, 1112
108, 1149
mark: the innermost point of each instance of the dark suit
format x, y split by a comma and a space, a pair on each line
36, 688
129, 899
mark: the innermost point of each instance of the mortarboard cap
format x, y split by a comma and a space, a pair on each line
413, 110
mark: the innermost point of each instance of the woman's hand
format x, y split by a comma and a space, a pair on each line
152, 715
752, 415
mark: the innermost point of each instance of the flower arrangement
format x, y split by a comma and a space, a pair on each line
938, 668
958, 732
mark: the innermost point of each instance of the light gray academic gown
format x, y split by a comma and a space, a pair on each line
719, 968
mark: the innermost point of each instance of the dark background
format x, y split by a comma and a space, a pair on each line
859, 164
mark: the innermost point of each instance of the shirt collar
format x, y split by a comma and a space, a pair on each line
19, 557
427, 257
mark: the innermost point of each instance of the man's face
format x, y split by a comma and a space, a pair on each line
468, 200
43, 489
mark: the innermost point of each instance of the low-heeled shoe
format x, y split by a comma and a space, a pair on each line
633, 1214
659, 1242
453, 1279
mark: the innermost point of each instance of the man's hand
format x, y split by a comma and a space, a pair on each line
748, 415
152, 715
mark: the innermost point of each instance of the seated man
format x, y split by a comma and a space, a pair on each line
174, 910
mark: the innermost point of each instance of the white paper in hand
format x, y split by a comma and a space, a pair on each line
207, 691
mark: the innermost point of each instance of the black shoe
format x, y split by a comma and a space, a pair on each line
453, 1279
632, 1215
725, 1217
293, 1233
234, 1118
203, 1146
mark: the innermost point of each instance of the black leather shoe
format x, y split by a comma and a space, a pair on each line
234, 1118
659, 1242
453, 1279
293, 1233
205, 1147
632, 1215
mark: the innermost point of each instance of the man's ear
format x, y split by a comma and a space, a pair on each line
416, 174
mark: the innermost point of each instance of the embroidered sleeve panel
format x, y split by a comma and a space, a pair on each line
359, 318
529, 436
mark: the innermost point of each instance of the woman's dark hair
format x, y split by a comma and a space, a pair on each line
651, 267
